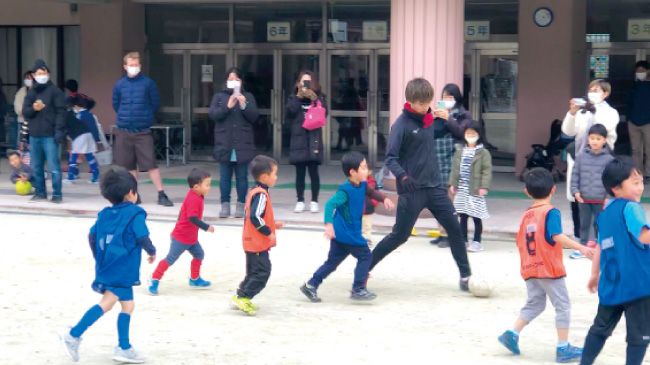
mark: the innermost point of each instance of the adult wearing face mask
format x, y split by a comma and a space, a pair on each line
580, 118
639, 119
235, 113
44, 110
19, 99
136, 100
451, 120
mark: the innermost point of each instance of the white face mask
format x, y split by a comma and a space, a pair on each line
471, 140
28, 82
595, 98
449, 104
641, 76
233, 84
133, 70
42, 79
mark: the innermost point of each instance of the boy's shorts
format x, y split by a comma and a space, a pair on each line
123, 294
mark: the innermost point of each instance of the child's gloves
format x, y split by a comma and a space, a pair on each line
408, 184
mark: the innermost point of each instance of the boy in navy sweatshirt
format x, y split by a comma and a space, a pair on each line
116, 241
343, 214
411, 157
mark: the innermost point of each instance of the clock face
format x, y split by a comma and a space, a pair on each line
543, 17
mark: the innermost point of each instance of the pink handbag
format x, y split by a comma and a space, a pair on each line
315, 117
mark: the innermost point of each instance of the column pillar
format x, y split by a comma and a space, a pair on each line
552, 69
426, 41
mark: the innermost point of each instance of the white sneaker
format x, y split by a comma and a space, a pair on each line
129, 356
71, 344
313, 207
475, 247
68, 181
300, 207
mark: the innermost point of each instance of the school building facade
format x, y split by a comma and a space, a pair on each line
518, 61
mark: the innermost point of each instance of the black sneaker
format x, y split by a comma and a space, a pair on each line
362, 294
38, 198
443, 242
57, 199
463, 284
310, 293
164, 200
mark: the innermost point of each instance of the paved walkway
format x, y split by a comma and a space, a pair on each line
506, 201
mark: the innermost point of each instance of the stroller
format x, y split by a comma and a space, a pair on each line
544, 156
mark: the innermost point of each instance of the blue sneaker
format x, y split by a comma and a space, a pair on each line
153, 286
568, 353
510, 340
199, 283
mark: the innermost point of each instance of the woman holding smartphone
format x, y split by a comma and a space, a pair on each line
235, 113
581, 116
306, 146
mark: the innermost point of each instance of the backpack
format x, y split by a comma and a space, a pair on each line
315, 116
117, 256
539, 158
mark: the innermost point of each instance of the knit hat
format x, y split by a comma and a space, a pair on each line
40, 64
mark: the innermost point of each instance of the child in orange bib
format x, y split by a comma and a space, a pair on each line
259, 234
540, 241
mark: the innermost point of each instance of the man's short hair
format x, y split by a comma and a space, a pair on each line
13, 153
642, 63
351, 161
539, 183
598, 129
262, 165
196, 176
617, 171
131, 55
116, 183
419, 90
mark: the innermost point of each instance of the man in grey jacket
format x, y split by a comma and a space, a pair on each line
586, 182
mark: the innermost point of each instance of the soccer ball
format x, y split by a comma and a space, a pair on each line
23, 187
480, 287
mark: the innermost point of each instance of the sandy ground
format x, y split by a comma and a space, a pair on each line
420, 315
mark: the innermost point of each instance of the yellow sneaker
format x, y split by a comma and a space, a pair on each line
243, 304
433, 233
414, 232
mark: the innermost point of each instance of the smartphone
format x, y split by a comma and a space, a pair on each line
306, 84
440, 104
579, 101
237, 90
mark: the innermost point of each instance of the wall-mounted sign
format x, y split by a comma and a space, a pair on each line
599, 66
477, 30
207, 73
375, 30
638, 29
339, 31
278, 32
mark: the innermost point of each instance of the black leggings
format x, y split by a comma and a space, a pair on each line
301, 169
478, 227
575, 215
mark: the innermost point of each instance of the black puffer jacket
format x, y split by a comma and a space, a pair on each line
305, 145
233, 127
49, 122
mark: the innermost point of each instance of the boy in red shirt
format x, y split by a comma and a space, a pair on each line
259, 233
186, 232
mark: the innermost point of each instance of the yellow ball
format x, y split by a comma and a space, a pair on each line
23, 187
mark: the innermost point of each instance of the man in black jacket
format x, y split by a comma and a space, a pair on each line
44, 110
411, 157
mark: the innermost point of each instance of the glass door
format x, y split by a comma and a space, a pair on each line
381, 127
293, 62
207, 77
258, 70
615, 62
348, 98
493, 98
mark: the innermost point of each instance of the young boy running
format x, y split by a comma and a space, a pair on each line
185, 236
343, 215
620, 267
116, 241
259, 234
540, 241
